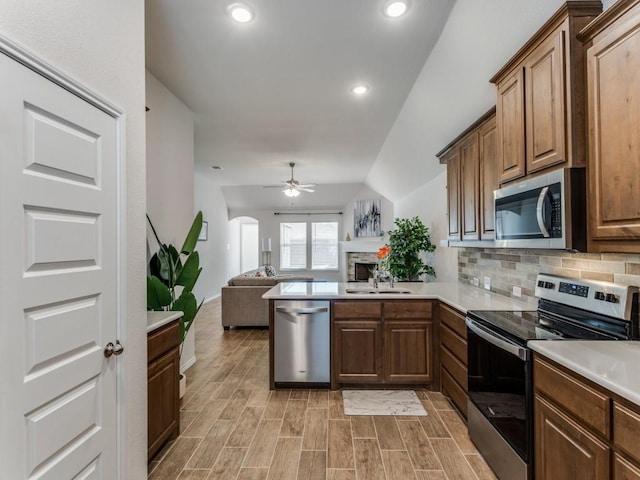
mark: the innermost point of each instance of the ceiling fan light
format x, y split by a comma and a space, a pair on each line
291, 192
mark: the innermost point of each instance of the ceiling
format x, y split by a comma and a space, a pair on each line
277, 89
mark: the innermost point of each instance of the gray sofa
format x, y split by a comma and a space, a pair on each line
242, 302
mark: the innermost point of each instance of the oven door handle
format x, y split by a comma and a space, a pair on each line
497, 340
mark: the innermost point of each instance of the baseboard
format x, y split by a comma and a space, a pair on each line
211, 299
187, 364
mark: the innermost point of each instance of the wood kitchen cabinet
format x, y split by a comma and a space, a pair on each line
613, 63
453, 356
540, 106
163, 400
471, 180
582, 430
387, 342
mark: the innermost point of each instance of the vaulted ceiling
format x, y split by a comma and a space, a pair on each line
277, 89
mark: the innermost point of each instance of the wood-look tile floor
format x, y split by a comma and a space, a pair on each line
233, 427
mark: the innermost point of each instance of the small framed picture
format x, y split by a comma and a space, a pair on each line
204, 232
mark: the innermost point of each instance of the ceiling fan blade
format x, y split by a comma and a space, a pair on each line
273, 186
306, 189
307, 185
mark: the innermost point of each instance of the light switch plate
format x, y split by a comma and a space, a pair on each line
487, 283
517, 291
475, 281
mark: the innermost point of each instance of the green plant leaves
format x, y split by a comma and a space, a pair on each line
407, 241
158, 295
190, 272
192, 237
167, 272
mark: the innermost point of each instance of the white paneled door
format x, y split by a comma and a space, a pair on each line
58, 281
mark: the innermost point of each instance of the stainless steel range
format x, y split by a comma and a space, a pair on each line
500, 409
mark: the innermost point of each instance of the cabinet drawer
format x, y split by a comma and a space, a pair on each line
162, 340
402, 309
582, 401
624, 470
457, 370
363, 309
454, 344
626, 427
457, 394
453, 319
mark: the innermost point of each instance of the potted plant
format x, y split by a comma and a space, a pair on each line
402, 255
172, 276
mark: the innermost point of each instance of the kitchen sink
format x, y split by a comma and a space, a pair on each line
393, 290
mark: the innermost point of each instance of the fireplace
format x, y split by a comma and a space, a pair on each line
361, 271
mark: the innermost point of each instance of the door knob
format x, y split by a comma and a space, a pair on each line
111, 349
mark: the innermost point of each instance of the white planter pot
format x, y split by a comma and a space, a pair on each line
183, 384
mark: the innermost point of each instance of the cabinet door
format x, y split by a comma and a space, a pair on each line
163, 400
453, 193
613, 83
357, 351
408, 351
469, 166
564, 449
487, 146
510, 123
545, 104
624, 470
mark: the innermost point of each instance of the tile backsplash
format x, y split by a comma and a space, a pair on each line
509, 268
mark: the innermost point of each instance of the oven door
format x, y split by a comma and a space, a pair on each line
501, 387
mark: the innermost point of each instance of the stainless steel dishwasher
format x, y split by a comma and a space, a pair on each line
302, 342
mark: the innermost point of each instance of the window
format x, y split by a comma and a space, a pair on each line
322, 249
293, 245
324, 245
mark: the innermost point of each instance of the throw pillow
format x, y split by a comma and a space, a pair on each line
270, 271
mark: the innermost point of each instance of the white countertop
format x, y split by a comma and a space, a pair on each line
459, 296
156, 320
613, 364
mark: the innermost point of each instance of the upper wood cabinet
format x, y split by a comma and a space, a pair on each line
613, 83
488, 176
452, 159
540, 107
471, 180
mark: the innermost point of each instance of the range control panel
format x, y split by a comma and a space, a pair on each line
602, 297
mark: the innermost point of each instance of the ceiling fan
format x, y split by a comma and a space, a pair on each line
292, 187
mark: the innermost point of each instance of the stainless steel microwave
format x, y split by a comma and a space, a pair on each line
547, 211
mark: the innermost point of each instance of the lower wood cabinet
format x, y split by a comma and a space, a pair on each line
564, 449
407, 351
163, 400
382, 342
358, 351
453, 356
582, 430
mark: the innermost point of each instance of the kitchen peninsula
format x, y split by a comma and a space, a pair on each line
412, 333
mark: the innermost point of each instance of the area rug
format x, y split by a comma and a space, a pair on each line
382, 402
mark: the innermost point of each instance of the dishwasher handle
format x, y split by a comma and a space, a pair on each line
302, 310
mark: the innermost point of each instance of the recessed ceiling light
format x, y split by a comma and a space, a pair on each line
360, 89
396, 8
241, 13
216, 167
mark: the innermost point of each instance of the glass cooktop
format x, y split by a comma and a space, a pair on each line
521, 327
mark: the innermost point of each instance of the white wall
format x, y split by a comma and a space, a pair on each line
429, 202
213, 252
451, 92
169, 164
101, 45
169, 176
234, 248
